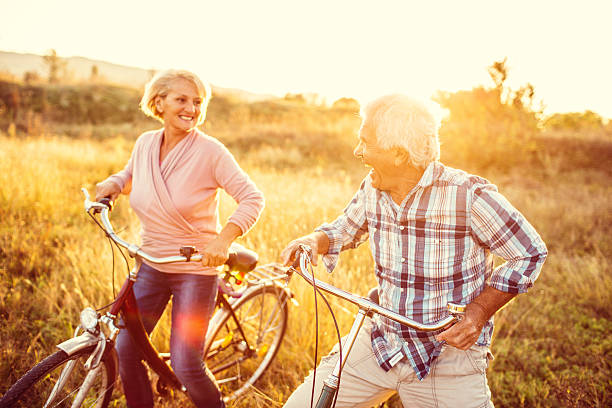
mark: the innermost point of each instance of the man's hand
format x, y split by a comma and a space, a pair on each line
317, 241
464, 334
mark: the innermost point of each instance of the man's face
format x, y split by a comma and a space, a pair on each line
372, 155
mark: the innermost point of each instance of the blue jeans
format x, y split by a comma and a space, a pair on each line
193, 302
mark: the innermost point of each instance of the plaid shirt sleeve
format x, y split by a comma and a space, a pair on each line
349, 230
498, 226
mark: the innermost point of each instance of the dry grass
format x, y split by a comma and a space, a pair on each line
552, 345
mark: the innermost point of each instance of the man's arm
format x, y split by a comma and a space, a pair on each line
499, 227
347, 231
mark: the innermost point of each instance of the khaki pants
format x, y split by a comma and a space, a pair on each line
457, 379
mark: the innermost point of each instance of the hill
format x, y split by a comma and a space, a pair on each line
79, 69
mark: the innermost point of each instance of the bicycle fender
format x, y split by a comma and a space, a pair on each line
75, 344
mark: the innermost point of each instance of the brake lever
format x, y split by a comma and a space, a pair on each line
301, 249
96, 206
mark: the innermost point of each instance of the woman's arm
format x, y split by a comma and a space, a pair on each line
239, 186
231, 178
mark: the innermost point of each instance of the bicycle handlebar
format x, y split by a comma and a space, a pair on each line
455, 310
104, 206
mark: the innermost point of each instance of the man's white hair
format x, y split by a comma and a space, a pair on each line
405, 123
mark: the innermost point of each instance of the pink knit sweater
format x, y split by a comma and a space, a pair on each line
177, 201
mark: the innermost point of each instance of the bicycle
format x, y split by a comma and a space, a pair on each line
367, 307
243, 335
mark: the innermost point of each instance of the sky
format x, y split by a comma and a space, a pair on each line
336, 48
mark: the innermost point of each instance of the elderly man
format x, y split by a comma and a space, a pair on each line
432, 232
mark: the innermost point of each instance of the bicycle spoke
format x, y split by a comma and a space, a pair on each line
61, 381
272, 316
85, 387
102, 394
257, 330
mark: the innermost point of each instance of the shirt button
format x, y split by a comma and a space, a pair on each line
403, 259
402, 227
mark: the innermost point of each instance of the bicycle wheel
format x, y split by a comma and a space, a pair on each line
36, 387
238, 361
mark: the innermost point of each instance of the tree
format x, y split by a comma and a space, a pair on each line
499, 73
490, 126
30, 77
55, 64
14, 101
297, 98
587, 120
95, 74
347, 104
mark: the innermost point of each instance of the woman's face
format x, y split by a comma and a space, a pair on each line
181, 108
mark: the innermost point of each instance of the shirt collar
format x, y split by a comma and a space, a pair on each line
432, 172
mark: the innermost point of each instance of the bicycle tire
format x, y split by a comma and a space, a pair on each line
33, 389
263, 313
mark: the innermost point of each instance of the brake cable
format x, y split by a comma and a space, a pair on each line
314, 374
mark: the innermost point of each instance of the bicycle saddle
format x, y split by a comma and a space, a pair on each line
241, 259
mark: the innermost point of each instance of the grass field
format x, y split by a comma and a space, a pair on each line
552, 347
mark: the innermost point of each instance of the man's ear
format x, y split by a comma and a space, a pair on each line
401, 157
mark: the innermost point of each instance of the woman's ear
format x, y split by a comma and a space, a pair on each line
159, 104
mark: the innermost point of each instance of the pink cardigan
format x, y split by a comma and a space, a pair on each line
177, 202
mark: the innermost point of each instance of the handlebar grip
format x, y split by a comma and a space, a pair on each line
107, 202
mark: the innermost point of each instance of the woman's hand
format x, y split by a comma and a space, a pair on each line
317, 241
108, 189
215, 253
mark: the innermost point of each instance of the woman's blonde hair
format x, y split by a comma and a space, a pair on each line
404, 123
161, 84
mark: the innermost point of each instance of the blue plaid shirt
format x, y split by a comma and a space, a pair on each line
435, 247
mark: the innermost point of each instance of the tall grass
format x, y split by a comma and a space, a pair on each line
552, 345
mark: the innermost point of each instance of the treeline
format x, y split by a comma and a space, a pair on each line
92, 104
501, 127
494, 126
22, 104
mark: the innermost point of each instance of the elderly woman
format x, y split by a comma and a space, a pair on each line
173, 178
